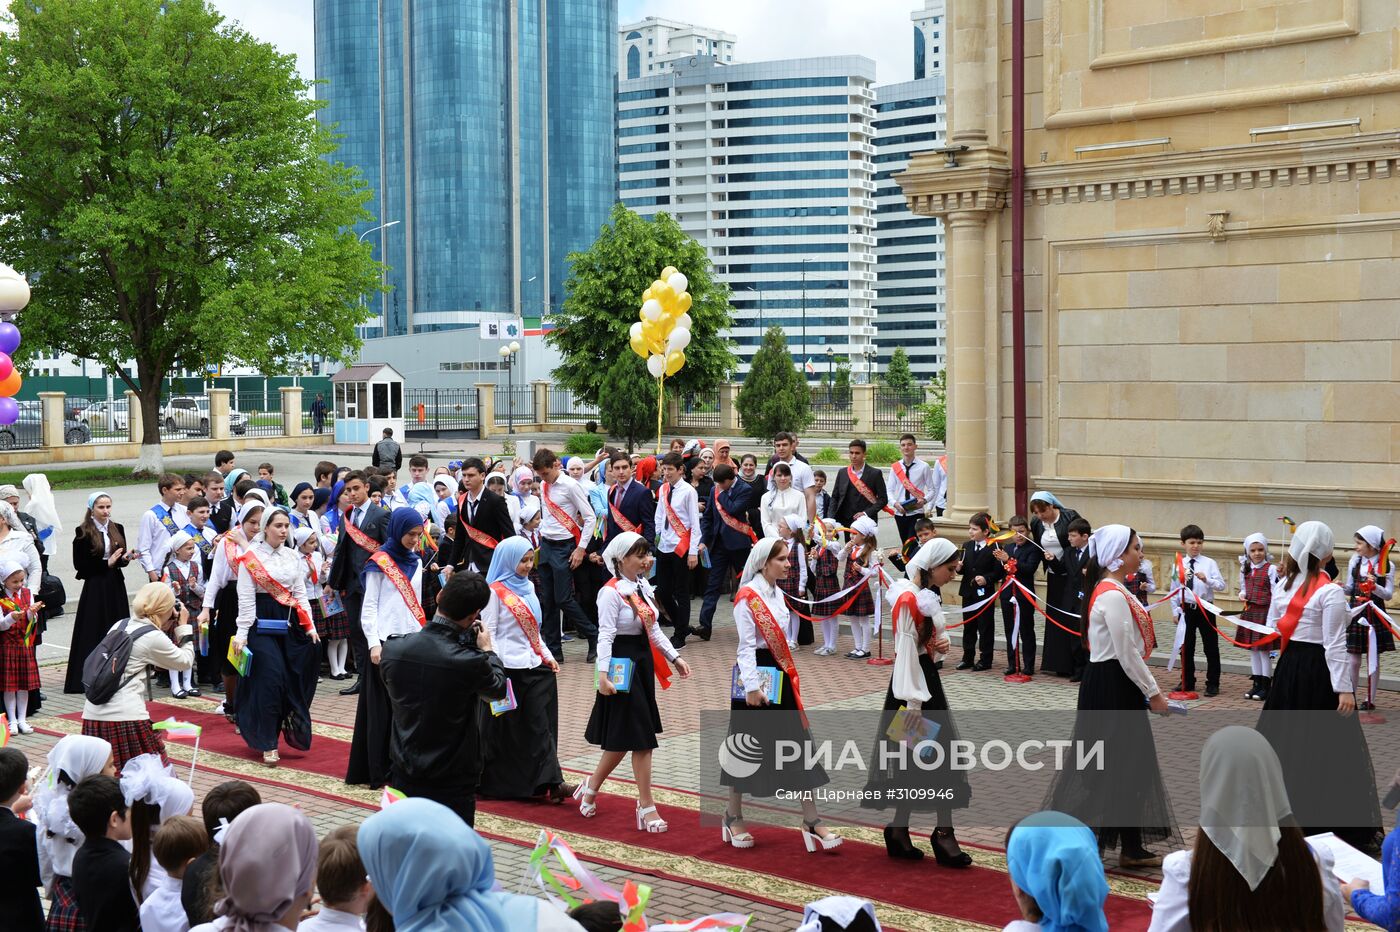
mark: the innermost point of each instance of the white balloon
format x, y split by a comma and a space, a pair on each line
14, 294
656, 365
684, 321
678, 340
652, 309
678, 282
636, 332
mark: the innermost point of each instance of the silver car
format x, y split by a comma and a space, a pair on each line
110, 416
192, 414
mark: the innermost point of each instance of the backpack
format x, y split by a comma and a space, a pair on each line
103, 669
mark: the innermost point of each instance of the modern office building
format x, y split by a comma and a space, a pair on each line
648, 46
485, 130
769, 166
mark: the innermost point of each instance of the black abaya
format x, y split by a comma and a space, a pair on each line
101, 604
374, 720
520, 756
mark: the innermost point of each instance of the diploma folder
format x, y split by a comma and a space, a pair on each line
242, 661
620, 670
770, 684
500, 707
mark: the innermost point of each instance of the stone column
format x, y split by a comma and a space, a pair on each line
291, 410
51, 419
541, 387
967, 364
133, 417
728, 410
968, 114
218, 413
863, 408
486, 408
673, 410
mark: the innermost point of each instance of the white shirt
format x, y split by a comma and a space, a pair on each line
920, 476
515, 506
1050, 542
940, 485
772, 596
685, 504
1385, 582
317, 566
330, 920
221, 575
153, 540
1114, 635
1203, 588
616, 616
907, 682
105, 529
161, 911
573, 501
153, 649
385, 612
1172, 912
512, 646
802, 478
777, 505
284, 565
1324, 621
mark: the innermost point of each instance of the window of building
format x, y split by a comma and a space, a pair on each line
634, 62
919, 66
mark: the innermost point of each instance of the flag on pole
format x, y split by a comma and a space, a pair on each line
390, 797
177, 729
811, 369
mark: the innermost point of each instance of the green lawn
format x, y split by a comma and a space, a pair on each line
82, 477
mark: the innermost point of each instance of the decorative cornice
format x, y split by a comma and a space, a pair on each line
979, 182
1235, 493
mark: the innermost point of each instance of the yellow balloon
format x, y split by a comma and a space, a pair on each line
667, 272
656, 347
651, 330
639, 345
662, 292
674, 360
682, 303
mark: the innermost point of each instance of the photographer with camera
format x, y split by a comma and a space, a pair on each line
437, 680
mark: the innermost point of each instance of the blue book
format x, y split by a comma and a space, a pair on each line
500, 707
620, 670
331, 604
770, 684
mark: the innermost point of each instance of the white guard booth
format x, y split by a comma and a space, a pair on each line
368, 398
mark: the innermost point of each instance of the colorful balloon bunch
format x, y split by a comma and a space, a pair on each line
14, 295
663, 332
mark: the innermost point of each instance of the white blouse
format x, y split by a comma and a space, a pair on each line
1172, 910
512, 646
1050, 542
316, 574
385, 612
284, 565
1324, 621
1385, 584
616, 616
1114, 635
908, 683
161, 911
778, 504
222, 574
772, 596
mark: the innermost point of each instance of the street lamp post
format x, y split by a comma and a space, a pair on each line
361, 239
872, 355
830, 375
508, 357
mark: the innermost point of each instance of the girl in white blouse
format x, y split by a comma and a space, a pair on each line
221, 596
628, 721
1367, 581
781, 501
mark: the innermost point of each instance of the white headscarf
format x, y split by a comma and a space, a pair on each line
758, 557
795, 522
1108, 544
256, 495
77, 757
1372, 535
841, 909
1311, 538
11, 519
145, 778
301, 534
180, 539
44, 510
10, 567
934, 553
1243, 798
1250, 541
617, 548
528, 510
865, 526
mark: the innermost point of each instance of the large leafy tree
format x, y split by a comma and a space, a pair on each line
166, 187
628, 403
775, 396
604, 293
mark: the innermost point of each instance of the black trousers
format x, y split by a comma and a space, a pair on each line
359, 647
1196, 620
673, 589
979, 635
1025, 661
905, 524
557, 599
724, 564
460, 799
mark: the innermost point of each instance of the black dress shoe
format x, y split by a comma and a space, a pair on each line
965, 665
353, 690
981, 665
704, 633
592, 656
1010, 671
1076, 677
1212, 690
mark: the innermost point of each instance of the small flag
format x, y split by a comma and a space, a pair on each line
177, 729
4, 729
1181, 576
811, 369
390, 797
1288, 523
715, 922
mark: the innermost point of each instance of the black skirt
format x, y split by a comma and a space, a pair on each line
520, 756
1127, 793
781, 722
1302, 683
939, 789
279, 688
224, 626
369, 761
101, 605
1057, 656
628, 721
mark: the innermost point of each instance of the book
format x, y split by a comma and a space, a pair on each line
1349, 863
331, 604
909, 726
203, 639
620, 671
241, 661
500, 707
770, 684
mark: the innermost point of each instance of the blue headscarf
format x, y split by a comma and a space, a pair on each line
401, 521
320, 498
504, 560
300, 487
435, 874
1047, 497
422, 492
1055, 859
232, 479
333, 516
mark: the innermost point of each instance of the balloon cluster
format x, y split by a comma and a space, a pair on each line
14, 295
663, 332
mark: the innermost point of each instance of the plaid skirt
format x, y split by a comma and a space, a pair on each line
1356, 637
63, 914
825, 584
128, 739
19, 671
329, 627
1257, 613
864, 604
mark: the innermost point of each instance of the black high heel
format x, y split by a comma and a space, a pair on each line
946, 851
898, 844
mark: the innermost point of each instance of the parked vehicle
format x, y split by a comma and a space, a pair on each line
28, 430
110, 416
192, 414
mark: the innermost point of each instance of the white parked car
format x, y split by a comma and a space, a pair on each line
192, 414
108, 416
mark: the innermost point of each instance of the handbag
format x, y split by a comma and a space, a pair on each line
51, 592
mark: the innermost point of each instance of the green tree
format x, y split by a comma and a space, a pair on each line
775, 395
628, 400
935, 410
604, 294
167, 189
898, 376
841, 384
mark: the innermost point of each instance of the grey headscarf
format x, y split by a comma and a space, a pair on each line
1243, 799
267, 860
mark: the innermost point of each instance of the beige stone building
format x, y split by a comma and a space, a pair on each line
1212, 288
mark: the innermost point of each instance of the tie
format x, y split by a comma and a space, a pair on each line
471, 509
1191, 568
359, 515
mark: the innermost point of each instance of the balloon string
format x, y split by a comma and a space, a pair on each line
660, 408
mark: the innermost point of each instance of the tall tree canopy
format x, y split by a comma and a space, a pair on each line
166, 188
604, 293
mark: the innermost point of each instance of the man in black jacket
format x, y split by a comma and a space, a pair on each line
362, 531
483, 520
436, 681
860, 488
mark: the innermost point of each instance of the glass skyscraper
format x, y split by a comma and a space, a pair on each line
485, 128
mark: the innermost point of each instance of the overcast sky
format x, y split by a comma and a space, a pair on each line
766, 29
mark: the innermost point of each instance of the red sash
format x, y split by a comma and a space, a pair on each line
647, 616
621, 520
740, 526
909, 601
231, 554
520, 610
480, 537
773, 634
861, 487
677, 526
943, 463
315, 576
402, 583
367, 543
1291, 616
1140, 616
562, 516
267, 583
902, 474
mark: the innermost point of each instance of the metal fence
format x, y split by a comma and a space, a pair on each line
831, 409
327, 425
256, 414
433, 412
700, 409
898, 411
563, 406
104, 420
515, 404
182, 416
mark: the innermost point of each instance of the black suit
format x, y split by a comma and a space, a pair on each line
848, 501
638, 506
221, 515
349, 561
103, 889
728, 548
491, 516
20, 909
979, 634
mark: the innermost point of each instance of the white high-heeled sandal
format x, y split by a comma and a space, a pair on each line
737, 839
655, 827
584, 794
815, 842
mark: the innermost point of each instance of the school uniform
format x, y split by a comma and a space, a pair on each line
386, 614
161, 911
332, 623
19, 670
347, 570
794, 586
909, 481
158, 525
823, 503
1061, 645
979, 559
482, 523
1357, 634
940, 484
858, 493
221, 599
567, 524
332, 920
677, 540
1072, 600
186, 580
20, 908
1197, 621
103, 889
728, 538
629, 721
631, 507
1141, 584
1026, 557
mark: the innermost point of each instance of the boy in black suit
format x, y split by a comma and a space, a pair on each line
20, 908
1075, 559
1027, 558
100, 881
362, 531
982, 572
